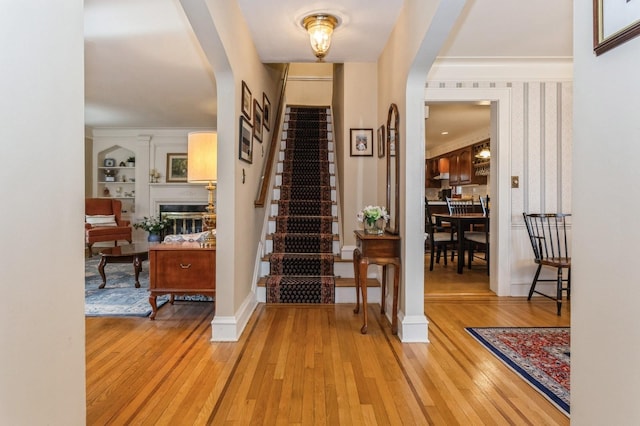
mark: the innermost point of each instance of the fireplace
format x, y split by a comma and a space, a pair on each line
185, 218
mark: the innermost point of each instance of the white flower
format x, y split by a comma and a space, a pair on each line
372, 213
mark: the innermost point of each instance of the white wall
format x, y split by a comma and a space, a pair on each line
605, 326
226, 42
42, 358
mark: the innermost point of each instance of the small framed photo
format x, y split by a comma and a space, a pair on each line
246, 100
257, 121
614, 22
246, 140
381, 141
362, 142
266, 114
176, 167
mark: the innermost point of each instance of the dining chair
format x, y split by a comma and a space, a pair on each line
459, 206
478, 240
549, 240
436, 238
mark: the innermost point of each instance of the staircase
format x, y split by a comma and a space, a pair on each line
303, 242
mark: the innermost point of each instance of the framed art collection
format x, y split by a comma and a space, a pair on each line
246, 100
246, 140
361, 142
176, 167
257, 121
266, 114
614, 22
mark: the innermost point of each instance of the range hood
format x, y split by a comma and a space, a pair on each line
441, 176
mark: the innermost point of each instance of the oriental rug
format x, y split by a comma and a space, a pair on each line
540, 355
119, 297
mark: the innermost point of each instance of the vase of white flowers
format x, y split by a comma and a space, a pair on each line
154, 226
374, 219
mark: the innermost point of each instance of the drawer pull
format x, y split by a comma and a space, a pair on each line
185, 266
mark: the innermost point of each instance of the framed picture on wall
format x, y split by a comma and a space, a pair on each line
246, 140
362, 142
266, 115
381, 141
614, 22
176, 167
257, 121
246, 100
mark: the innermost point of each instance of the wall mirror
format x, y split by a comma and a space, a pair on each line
393, 169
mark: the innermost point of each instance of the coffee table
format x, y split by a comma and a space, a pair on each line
131, 253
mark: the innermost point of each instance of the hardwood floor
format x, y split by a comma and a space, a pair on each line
299, 364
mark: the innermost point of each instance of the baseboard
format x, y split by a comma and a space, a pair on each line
413, 328
230, 328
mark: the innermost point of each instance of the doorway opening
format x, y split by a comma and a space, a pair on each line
455, 134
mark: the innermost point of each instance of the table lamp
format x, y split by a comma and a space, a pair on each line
202, 167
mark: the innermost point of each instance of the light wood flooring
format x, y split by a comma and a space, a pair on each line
299, 364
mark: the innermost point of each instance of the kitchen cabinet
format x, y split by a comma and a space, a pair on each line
461, 168
435, 167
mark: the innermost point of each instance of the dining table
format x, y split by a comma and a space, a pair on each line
462, 223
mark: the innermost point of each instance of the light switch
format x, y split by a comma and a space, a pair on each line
515, 182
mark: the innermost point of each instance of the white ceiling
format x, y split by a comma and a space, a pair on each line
144, 67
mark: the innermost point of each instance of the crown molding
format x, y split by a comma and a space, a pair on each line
502, 69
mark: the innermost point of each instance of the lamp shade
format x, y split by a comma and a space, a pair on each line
202, 157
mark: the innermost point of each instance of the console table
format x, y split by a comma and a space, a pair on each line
180, 268
381, 250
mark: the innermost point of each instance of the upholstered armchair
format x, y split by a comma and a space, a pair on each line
103, 222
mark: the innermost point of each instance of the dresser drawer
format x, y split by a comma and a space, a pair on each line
184, 269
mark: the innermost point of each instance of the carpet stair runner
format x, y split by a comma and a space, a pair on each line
301, 261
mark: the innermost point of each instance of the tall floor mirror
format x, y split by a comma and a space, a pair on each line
393, 169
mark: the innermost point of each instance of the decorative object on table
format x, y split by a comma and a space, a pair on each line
131, 161
154, 226
246, 100
381, 141
361, 142
109, 162
374, 219
246, 140
154, 176
540, 355
614, 23
110, 175
257, 121
203, 168
177, 166
266, 114
122, 164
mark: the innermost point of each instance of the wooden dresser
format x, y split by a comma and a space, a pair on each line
180, 268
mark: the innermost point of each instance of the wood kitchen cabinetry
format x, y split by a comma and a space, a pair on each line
460, 165
181, 268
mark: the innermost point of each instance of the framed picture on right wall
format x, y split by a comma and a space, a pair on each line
246, 140
614, 22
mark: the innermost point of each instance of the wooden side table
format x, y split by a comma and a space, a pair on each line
381, 250
180, 268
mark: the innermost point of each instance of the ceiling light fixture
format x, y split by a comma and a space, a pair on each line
320, 26
484, 153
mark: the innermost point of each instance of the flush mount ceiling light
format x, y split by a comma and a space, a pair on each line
320, 26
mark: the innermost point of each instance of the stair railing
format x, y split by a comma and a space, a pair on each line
272, 148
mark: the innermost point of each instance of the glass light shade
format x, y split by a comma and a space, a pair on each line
320, 28
485, 153
202, 157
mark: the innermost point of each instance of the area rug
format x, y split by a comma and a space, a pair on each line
540, 355
119, 297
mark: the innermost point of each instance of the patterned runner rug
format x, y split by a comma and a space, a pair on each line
301, 263
539, 355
